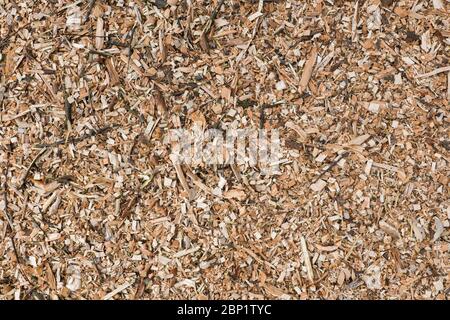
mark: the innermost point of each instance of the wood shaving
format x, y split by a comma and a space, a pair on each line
94, 206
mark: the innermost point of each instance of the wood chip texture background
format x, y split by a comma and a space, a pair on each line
92, 207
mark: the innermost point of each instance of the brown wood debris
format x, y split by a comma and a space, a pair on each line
93, 207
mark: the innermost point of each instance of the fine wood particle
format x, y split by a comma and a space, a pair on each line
93, 207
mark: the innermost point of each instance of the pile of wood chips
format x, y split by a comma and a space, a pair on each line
92, 207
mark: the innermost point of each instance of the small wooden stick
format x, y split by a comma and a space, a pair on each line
448, 86
8, 217
27, 172
255, 30
117, 290
181, 177
332, 165
130, 49
306, 259
197, 181
76, 140
236, 171
434, 72
5, 197
68, 111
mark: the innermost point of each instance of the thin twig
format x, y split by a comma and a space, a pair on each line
76, 140
130, 49
208, 26
5, 188
102, 53
434, 72
255, 31
332, 165
306, 259
88, 13
262, 115
68, 111
4, 41
19, 115
27, 172
5, 211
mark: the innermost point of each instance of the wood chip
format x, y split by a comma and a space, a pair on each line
307, 70
355, 95
318, 186
389, 229
235, 194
